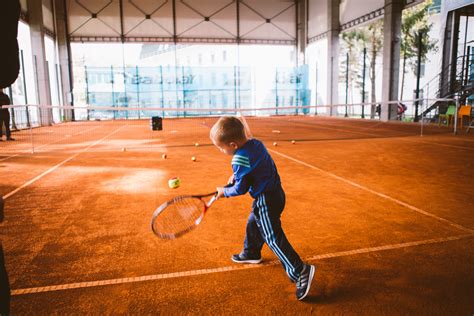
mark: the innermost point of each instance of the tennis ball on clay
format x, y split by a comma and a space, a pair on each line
163, 156
124, 149
193, 158
275, 143
197, 144
293, 142
174, 183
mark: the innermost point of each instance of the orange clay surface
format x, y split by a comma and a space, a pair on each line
386, 215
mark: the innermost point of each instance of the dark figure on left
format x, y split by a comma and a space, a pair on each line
4, 284
9, 69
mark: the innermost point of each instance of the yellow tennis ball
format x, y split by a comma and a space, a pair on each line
193, 158
124, 149
163, 156
275, 143
197, 144
174, 183
293, 142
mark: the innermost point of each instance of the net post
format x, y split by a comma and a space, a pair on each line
30, 126
456, 116
422, 112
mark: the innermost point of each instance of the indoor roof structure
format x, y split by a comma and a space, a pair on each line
206, 21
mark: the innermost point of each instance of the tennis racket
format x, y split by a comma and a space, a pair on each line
180, 215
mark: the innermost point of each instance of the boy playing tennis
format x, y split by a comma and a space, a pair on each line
255, 171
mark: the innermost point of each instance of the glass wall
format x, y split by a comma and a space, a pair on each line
316, 54
186, 77
23, 90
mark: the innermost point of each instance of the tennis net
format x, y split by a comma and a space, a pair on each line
53, 128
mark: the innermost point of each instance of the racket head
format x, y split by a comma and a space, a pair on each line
179, 215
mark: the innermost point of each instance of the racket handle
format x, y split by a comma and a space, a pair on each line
214, 198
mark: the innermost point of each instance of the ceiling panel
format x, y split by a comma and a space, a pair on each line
148, 28
94, 18
267, 31
251, 18
144, 18
146, 6
206, 19
227, 18
285, 21
268, 19
95, 6
268, 8
206, 7
206, 30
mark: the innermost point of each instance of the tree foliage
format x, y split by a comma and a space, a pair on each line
354, 42
415, 23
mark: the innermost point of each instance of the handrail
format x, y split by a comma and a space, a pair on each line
459, 61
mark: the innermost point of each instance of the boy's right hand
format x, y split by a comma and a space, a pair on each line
231, 179
220, 192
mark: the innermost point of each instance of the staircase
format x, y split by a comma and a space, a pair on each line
462, 85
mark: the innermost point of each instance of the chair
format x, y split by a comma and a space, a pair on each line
464, 111
448, 116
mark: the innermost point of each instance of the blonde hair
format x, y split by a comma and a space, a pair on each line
228, 129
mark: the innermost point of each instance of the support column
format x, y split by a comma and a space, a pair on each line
333, 53
450, 52
64, 56
301, 31
391, 57
35, 22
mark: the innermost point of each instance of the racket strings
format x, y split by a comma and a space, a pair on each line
178, 217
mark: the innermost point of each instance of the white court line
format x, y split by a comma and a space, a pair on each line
58, 165
69, 286
382, 195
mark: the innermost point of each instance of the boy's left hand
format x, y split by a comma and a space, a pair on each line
220, 192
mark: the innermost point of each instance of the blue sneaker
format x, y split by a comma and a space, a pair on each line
245, 258
303, 284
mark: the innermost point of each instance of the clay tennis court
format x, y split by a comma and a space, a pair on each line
385, 214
